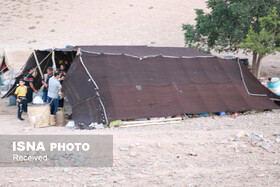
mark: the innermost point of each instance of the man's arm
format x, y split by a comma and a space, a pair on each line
32, 87
44, 81
45, 84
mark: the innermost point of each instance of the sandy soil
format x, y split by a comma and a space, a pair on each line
194, 152
204, 151
42, 24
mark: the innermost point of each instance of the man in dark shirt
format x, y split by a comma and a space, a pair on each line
28, 79
45, 83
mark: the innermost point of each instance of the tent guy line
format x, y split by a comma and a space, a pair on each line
245, 85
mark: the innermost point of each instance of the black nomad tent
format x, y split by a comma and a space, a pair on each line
41, 60
107, 83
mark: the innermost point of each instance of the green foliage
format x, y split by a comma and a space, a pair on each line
267, 40
32, 41
226, 25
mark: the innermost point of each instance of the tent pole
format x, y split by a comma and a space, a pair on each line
38, 65
53, 60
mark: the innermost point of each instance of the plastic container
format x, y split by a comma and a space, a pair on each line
60, 118
274, 85
244, 61
221, 113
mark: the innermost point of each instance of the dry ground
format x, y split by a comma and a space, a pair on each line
194, 152
42, 24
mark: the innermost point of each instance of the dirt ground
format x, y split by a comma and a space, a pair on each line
43, 24
206, 151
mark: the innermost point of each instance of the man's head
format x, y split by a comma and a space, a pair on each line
57, 74
50, 71
269, 79
30, 70
62, 67
21, 82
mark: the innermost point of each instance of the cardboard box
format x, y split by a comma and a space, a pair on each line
39, 115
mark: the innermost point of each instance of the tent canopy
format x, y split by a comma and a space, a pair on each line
107, 83
14, 59
106, 87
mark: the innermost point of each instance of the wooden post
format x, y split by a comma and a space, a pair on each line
53, 60
38, 65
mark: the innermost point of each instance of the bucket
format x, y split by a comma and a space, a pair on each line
244, 61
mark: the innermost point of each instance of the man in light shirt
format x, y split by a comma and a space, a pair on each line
53, 89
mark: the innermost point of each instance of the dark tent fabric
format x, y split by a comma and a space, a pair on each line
130, 82
45, 58
102, 88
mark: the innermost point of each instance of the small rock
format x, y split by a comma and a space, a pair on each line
71, 123
261, 136
254, 140
265, 146
32, 27
191, 185
97, 126
133, 154
224, 141
132, 145
66, 170
262, 175
277, 140
124, 148
240, 134
26, 129
270, 142
132, 163
158, 145
236, 139
191, 154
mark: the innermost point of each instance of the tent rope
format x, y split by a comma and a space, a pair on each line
144, 57
245, 85
96, 89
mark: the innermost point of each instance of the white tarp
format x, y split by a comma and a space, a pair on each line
15, 59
